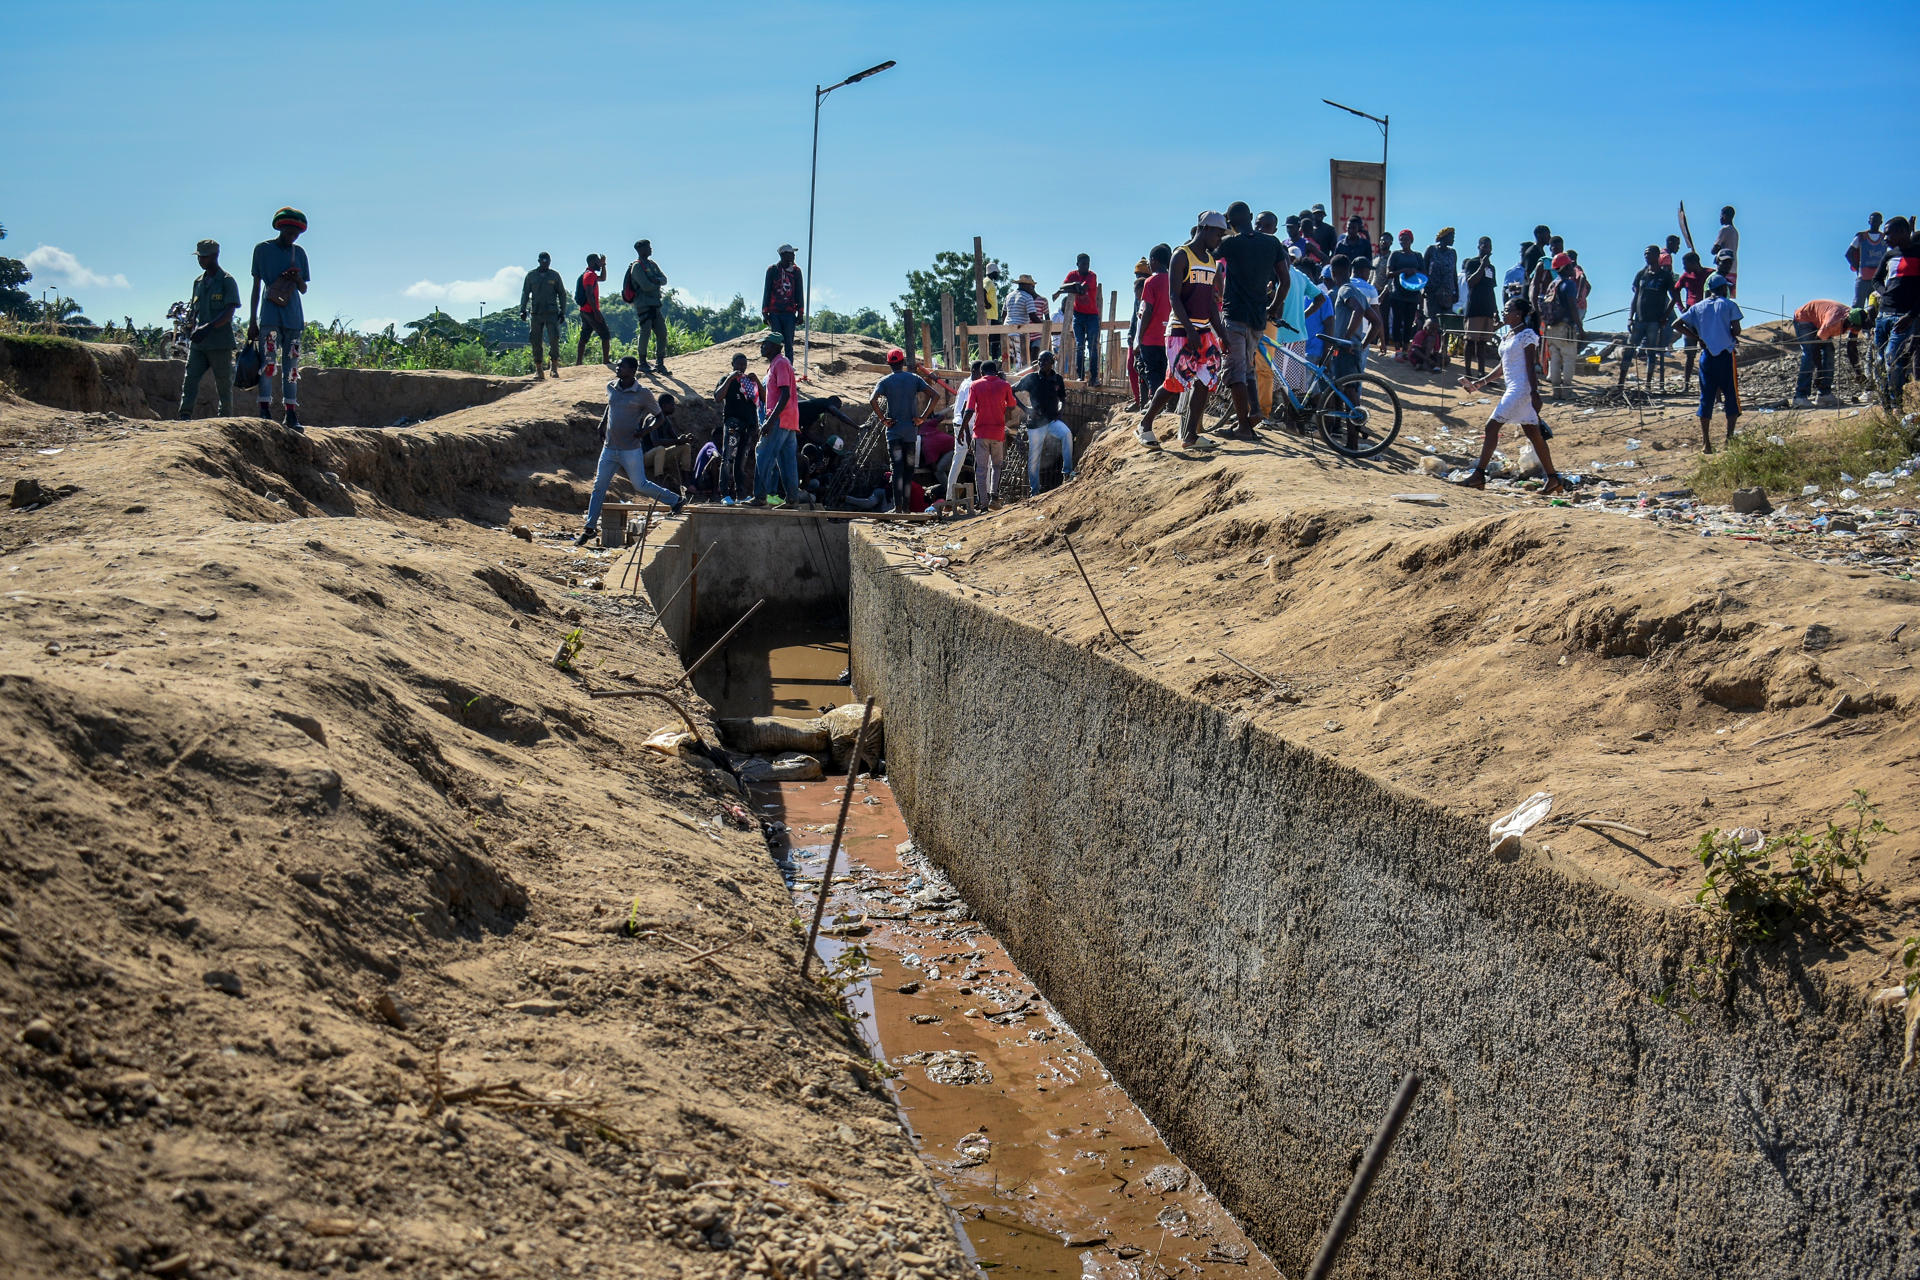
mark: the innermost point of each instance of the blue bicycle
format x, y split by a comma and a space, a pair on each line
1357, 415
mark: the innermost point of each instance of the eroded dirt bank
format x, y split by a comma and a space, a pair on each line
340, 931
1260, 937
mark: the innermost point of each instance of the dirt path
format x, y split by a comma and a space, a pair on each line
339, 930
1493, 646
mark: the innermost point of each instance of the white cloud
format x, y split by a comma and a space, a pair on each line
48, 261
375, 326
502, 289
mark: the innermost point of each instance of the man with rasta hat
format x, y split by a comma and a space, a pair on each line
783, 300
280, 268
545, 294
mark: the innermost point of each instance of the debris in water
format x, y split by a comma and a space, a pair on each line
1164, 1178
950, 1066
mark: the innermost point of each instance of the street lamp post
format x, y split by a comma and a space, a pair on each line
813, 186
1382, 122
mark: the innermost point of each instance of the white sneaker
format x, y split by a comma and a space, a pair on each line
1800, 402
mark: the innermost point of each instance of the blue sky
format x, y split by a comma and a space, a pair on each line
437, 147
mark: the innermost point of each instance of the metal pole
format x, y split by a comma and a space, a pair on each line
1363, 1180
1383, 171
813, 186
839, 829
701, 661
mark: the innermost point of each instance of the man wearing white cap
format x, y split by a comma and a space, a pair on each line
784, 299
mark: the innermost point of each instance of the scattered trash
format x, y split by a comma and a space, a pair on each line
1523, 818
1421, 499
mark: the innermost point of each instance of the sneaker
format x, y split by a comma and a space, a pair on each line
586, 536
660, 368
1828, 400
1800, 402
266, 411
727, 501
293, 419
679, 505
645, 367
775, 500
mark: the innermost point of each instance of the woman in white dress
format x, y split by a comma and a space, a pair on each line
1520, 402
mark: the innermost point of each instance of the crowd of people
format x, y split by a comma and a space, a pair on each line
1251, 307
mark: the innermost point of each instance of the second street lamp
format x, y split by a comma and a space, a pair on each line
813, 187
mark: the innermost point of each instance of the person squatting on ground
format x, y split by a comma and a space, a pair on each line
738, 395
280, 268
778, 458
1046, 401
1815, 325
1257, 269
629, 406
543, 304
1715, 321
1428, 350
1650, 319
586, 296
1083, 287
1194, 351
985, 423
669, 453
641, 286
1520, 402
211, 341
897, 400
783, 298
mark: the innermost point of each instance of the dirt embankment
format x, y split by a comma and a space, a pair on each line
338, 928
1493, 646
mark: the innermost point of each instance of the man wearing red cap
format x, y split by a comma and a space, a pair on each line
1560, 321
280, 266
896, 398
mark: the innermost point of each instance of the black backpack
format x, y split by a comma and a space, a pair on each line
246, 367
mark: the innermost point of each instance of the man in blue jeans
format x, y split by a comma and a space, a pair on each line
1715, 321
1046, 393
1084, 288
629, 405
778, 459
1351, 305
1899, 305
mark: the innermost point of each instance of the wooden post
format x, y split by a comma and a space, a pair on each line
954, 360
926, 342
1114, 358
980, 315
906, 336
962, 334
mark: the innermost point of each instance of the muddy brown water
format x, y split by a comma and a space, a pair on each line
1049, 1167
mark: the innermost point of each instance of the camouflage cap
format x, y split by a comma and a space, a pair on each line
206, 247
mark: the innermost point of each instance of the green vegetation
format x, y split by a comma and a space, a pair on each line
1808, 453
570, 646
15, 302
1760, 892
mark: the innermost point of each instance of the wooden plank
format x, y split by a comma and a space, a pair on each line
907, 335
946, 332
1113, 357
980, 315
926, 341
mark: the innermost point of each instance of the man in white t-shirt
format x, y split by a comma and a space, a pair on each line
1727, 245
961, 444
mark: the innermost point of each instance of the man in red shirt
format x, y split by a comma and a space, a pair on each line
1084, 288
779, 455
586, 295
1689, 289
1150, 342
987, 403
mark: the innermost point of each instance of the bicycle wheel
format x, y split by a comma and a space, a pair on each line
1359, 415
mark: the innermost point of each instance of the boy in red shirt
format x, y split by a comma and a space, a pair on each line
1692, 286
1084, 287
586, 295
986, 418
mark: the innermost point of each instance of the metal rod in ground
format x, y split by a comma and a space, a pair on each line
1363, 1179
1096, 596
1244, 667
839, 829
646, 526
717, 645
698, 561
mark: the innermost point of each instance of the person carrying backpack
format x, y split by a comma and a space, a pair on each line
586, 296
642, 287
1560, 323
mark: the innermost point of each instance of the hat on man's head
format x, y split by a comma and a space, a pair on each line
546, 257
896, 356
1857, 317
289, 217
206, 247
1717, 283
1025, 279
1561, 260
787, 248
1143, 268
1213, 220
1444, 232
1319, 208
